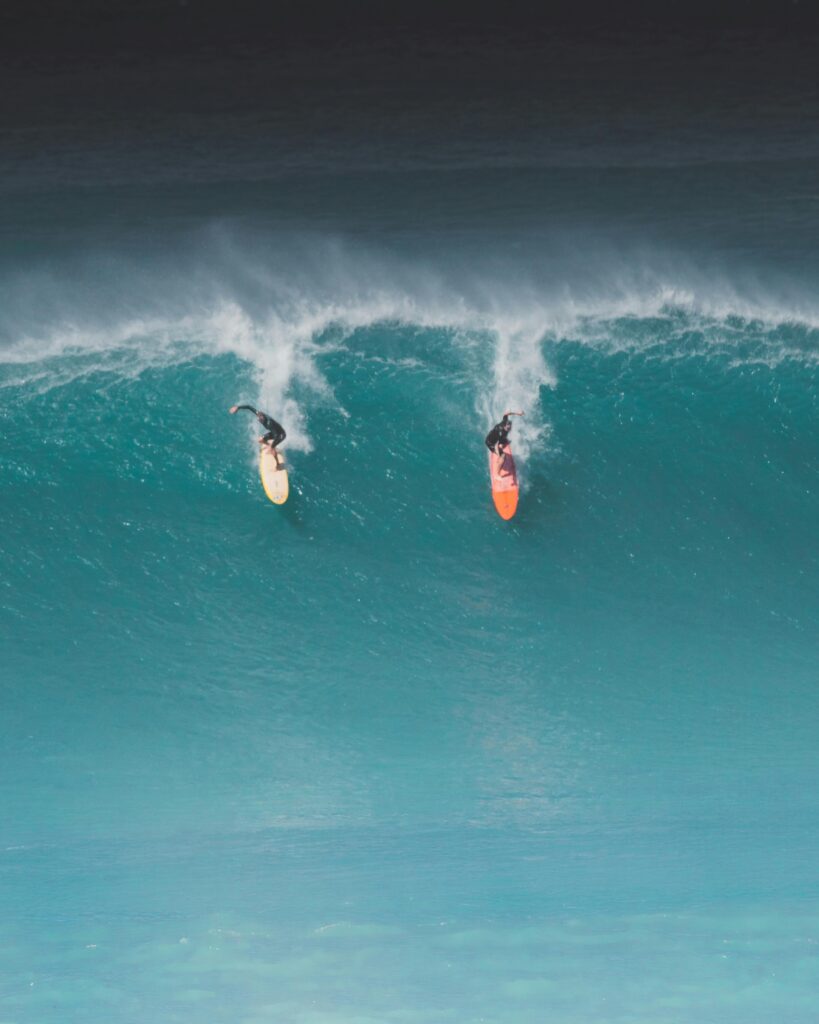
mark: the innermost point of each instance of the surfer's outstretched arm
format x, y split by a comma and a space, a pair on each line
236, 408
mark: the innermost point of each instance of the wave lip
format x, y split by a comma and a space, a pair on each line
285, 317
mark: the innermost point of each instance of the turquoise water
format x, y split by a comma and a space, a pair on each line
377, 755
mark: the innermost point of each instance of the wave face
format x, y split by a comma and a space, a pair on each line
377, 755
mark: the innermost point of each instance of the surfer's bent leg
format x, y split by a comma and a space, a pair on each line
274, 437
271, 439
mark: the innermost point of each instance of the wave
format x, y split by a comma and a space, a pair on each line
283, 307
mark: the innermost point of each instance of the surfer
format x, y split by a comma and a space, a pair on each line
497, 440
275, 431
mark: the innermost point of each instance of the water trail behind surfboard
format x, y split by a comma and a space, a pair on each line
519, 371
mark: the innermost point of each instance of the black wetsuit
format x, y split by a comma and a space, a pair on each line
498, 436
275, 431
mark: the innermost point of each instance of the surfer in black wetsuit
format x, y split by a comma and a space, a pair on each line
275, 431
497, 439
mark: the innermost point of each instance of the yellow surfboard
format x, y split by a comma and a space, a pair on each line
274, 480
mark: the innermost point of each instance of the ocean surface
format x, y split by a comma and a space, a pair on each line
377, 756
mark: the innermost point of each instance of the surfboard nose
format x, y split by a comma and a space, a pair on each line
274, 477
506, 502
504, 479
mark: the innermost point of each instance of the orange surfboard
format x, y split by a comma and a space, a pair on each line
504, 476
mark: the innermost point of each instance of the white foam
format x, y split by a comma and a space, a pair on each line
280, 308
